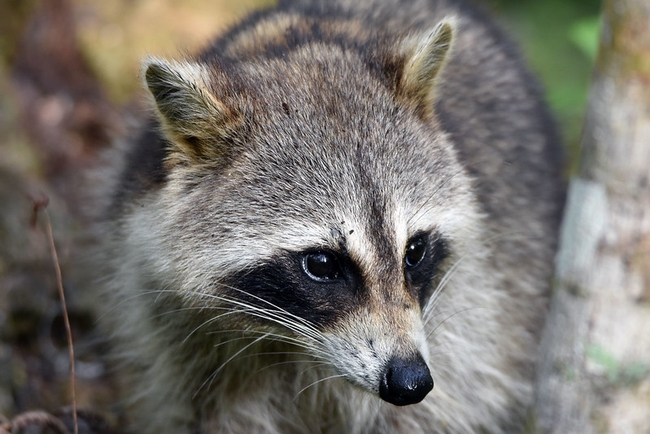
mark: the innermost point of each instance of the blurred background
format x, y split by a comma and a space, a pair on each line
69, 84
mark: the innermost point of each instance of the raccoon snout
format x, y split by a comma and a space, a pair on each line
405, 382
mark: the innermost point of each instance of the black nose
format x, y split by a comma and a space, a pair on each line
405, 382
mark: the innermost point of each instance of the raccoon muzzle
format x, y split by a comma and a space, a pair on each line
405, 382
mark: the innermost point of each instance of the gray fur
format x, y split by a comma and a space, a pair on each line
348, 127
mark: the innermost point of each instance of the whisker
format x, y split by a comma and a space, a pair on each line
289, 362
433, 299
126, 300
278, 316
295, 317
441, 285
425, 203
277, 338
212, 376
316, 382
208, 321
451, 316
314, 366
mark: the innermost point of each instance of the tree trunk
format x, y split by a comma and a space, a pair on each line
594, 374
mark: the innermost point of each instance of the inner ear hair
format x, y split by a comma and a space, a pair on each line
192, 118
425, 62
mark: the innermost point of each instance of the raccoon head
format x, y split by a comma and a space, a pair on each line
313, 196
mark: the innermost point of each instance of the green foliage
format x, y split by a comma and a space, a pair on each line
560, 39
617, 373
605, 360
584, 34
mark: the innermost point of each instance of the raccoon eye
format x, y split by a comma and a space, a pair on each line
415, 252
321, 266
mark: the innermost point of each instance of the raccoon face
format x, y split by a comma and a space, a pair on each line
315, 197
371, 330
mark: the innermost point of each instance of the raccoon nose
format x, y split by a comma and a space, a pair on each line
405, 382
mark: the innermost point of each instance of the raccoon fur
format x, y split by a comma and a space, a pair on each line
334, 206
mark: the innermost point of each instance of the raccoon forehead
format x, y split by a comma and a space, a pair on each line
309, 196
313, 81
227, 241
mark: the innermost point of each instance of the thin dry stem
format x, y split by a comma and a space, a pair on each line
41, 204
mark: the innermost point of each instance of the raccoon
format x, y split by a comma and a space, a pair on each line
333, 207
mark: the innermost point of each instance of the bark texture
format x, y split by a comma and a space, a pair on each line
594, 376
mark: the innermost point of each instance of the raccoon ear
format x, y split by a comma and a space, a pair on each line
193, 119
424, 63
